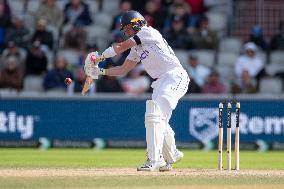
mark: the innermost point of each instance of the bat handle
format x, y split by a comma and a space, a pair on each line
87, 85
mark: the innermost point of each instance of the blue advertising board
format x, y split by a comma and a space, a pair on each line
112, 119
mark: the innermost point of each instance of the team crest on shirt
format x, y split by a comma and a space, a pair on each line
203, 123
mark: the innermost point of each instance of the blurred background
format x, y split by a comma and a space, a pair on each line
232, 50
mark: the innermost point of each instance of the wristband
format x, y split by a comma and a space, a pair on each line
109, 52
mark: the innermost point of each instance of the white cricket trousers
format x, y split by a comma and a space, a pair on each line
167, 90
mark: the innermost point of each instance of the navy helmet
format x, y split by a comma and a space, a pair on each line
133, 18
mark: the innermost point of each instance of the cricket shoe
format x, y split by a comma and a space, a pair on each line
168, 167
152, 165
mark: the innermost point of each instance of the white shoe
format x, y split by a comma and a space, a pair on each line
178, 156
152, 165
168, 167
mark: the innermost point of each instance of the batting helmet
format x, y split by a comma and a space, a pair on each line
133, 18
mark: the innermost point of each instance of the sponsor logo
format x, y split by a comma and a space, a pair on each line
144, 54
12, 123
203, 124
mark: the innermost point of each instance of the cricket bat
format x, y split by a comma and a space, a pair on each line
95, 59
87, 85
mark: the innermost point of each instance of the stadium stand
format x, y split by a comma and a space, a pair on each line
227, 18
230, 44
270, 85
33, 84
205, 57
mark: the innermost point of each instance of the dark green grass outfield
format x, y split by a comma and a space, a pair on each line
110, 158
13, 159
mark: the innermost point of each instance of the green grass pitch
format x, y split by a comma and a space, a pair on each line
196, 161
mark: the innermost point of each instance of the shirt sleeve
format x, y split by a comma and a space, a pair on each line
144, 36
133, 56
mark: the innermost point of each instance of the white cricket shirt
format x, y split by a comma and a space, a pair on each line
154, 52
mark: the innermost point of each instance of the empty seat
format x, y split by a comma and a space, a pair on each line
103, 20
262, 56
230, 44
227, 59
95, 32
8, 92
277, 57
218, 6
55, 32
101, 44
217, 20
56, 93
17, 7
111, 6
50, 59
93, 6
29, 21
61, 4
226, 72
33, 5
271, 85
30, 93
182, 56
70, 55
205, 57
274, 68
33, 83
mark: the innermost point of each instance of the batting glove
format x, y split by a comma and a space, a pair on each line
91, 65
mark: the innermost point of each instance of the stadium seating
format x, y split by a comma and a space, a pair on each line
95, 32
271, 85
227, 59
50, 59
217, 21
8, 92
61, 4
55, 93
226, 72
225, 67
93, 6
205, 57
274, 68
71, 55
277, 57
102, 44
262, 56
33, 5
33, 83
111, 6
17, 7
182, 55
103, 19
230, 44
99, 33
30, 93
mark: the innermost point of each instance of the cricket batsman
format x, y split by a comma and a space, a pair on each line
151, 49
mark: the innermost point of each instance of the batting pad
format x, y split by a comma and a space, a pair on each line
169, 146
155, 128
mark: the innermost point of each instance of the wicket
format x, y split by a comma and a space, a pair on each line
229, 133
